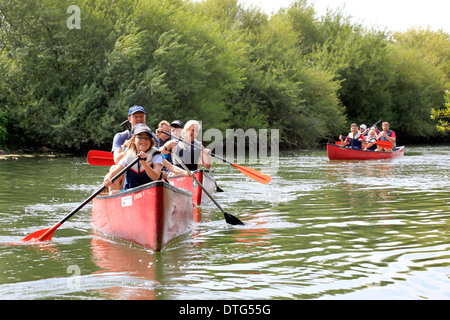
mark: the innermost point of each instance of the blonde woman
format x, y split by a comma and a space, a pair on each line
191, 156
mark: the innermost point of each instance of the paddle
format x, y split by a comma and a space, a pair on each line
218, 189
249, 172
47, 234
383, 144
229, 218
126, 124
100, 158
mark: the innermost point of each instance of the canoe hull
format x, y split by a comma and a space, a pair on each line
198, 196
151, 215
335, 152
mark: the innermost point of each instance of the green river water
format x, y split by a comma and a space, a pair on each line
320, 230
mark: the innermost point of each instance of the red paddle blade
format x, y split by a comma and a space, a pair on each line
385, 144
254, 174
42, 235
100, 158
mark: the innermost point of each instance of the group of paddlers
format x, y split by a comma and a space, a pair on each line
364, 138
155, 151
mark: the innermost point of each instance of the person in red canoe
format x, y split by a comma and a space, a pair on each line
369, 142
352, 140
192, 157
146, 170
386, 135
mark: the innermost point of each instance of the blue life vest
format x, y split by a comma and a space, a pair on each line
136, 175
384, 138
354, 143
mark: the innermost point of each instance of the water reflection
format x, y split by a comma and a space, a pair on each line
118, 258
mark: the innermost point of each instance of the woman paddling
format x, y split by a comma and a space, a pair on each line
146, 170
192, 157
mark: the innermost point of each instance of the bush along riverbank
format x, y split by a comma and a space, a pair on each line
68, 87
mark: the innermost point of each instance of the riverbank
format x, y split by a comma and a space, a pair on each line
31, 153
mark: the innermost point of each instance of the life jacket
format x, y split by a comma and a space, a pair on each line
189, 156
369, 140
354, 143
389, 133
136, 175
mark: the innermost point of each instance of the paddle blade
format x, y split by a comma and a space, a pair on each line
254, 174
385, 144
42, 235
229, 218
100, 158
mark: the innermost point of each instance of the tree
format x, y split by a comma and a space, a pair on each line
216, 61
442, 114
434, 46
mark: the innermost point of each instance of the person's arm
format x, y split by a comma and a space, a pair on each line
346, 142
167, 147
107, 181
117, 151
391, 139
369, 144
205, 158
154, 172
174, 169
118, 155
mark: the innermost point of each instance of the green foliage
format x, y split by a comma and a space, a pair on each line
3, 128
214, 61
416, 88
433, 46
442, 115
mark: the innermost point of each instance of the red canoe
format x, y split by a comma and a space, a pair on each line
190, 184
336, 152
151, 215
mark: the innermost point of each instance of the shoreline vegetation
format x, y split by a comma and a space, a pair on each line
68, 79
42, 152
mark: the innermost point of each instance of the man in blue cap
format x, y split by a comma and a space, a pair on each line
136, 115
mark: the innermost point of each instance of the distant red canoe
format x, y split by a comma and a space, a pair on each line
190, 184
151, 215
336, 152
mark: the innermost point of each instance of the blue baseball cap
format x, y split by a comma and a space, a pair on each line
135, 109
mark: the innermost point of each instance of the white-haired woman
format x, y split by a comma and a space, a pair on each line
193, 157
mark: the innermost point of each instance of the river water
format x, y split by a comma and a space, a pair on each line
320, 230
